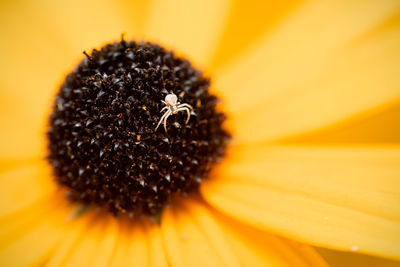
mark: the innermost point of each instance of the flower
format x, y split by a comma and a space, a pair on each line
312, 93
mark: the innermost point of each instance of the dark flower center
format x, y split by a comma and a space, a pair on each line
103, 145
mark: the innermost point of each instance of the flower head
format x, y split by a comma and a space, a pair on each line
102, 142
310, 90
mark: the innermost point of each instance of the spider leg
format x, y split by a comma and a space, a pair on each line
164, 108
185, 106
187, 111
165, 120
188, 115
161, 119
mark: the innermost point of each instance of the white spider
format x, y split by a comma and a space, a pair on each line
173, 107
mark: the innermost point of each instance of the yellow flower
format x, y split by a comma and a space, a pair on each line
312, 91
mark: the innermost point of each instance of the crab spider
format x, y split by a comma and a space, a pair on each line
172, 107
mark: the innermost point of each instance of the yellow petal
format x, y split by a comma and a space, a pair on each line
193, 231
23, 186
325, 63
208, 225
184, 242
189, 27
258, 248
73, 235
34, 246
9, 164
249, 245
379, 125
345, 197
106, 246
44, 41
157, 251
23, 137
132, 248
96, 246
34, 58
134, 13
349, 259
88, 24
14, 226
248, 21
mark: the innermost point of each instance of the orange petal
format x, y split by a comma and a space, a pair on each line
189, 27
345, 198
326, 62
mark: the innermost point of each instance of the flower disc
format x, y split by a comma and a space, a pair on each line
103, 145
